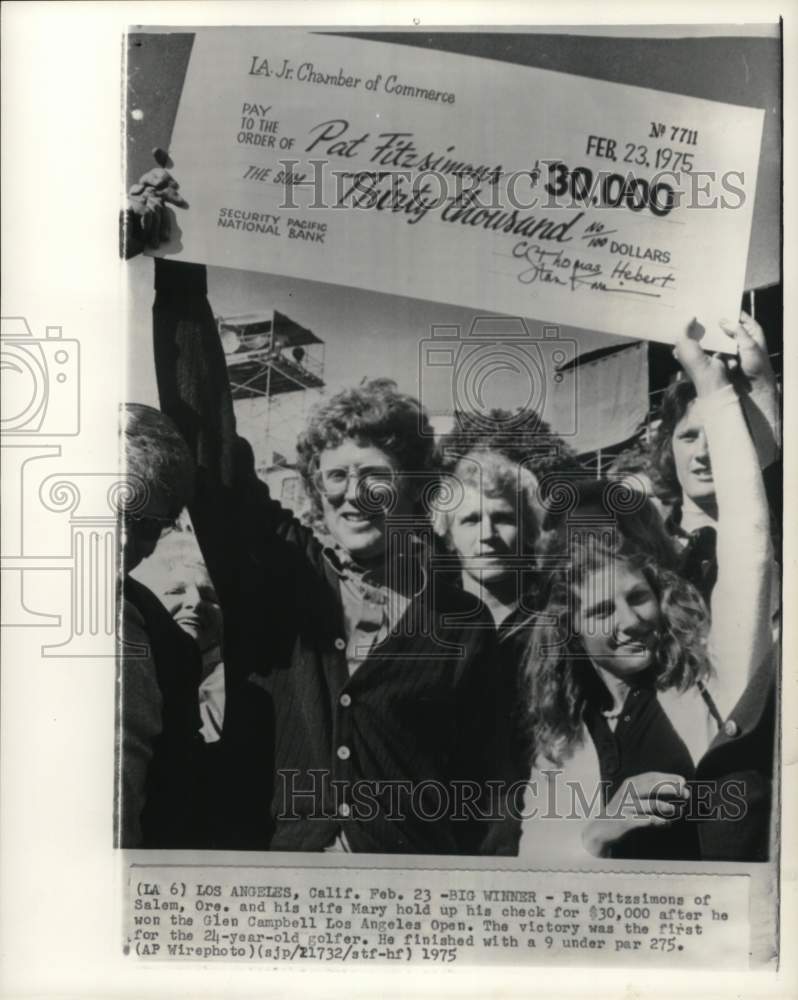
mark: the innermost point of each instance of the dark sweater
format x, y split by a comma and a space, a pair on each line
423, 711
161, 747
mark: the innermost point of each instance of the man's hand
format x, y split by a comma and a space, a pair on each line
652, 799
148, 199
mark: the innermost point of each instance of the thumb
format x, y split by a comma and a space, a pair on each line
750, 341
688, 351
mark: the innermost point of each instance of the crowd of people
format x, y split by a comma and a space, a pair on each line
468, 646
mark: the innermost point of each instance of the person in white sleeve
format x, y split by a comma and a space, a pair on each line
629, 684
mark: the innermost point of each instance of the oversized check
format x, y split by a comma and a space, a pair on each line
457, 179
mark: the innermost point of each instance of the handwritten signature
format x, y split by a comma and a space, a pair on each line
557, 267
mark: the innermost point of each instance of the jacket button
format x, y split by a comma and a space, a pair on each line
345, 700
730, 728
344, 809
344, 753
340, 644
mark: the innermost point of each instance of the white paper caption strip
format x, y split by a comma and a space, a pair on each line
275, 916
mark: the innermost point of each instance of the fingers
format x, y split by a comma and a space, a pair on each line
148, 199
152, 227
645, 808
707, 372
751, 345
748, 334
688, 351
145, 215
690, 356
655, 783
156, 178
742, 335
695, 331
753, 329
641, 822
161, 183
165, 226
154, 189
172, 196
152, 221
170, 192
601, 834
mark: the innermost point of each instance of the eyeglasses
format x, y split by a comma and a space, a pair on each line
374, 482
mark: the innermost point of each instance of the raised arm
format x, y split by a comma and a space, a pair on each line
232, 512
194, 391
255, 550
759, 391
191, 375
740, 635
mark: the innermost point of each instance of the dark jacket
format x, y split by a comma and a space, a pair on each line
384, 757
738, 774
160, 744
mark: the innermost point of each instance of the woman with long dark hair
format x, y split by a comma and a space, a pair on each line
632, 678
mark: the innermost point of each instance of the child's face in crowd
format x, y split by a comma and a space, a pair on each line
691, 457
616, 617
484, 532
360, 486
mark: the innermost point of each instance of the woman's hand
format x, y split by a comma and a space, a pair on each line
706, 371
652, 799
757, 388
752, 348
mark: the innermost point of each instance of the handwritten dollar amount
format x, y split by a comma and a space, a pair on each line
609, 190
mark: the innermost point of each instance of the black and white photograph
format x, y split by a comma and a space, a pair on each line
409, 573
443, 558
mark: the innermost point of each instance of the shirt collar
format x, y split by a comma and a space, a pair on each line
346, 567
693, 517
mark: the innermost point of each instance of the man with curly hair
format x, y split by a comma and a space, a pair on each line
363, 708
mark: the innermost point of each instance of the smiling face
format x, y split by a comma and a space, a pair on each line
191, 600
617, 617
691, 458
359, 487
484, 532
